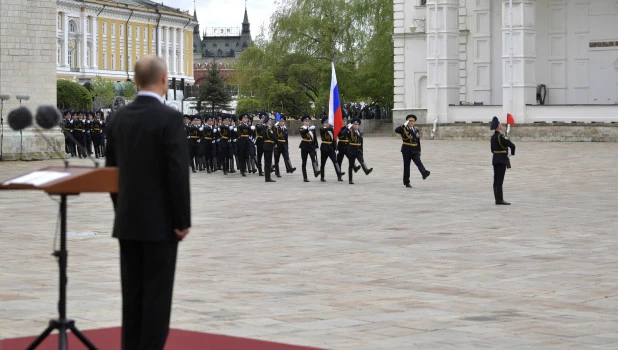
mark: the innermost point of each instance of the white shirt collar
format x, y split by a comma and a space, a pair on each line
151, 94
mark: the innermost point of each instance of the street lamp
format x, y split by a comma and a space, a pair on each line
3, 97
21, 137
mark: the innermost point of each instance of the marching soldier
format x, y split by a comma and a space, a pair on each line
209, 136
88, 133
282, 145
500, 147
411, 149
234, 139
194, 138
259, 143
308, 145
244, 134
67, 130
97, 134
225, 146
270, 142
343, 138
327, 149
78, 132
355, 150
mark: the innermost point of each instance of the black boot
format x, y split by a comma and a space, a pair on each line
426, 174
500, 200
277, 173
316, 169
260, 169
305, 175
350, 176
208, 167
288, 166
339, 173
357, 168
366, 169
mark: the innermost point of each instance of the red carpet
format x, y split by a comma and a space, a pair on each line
109, 339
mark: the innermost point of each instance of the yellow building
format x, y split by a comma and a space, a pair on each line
106, 38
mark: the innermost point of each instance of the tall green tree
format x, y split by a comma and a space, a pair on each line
103, 91
213, 95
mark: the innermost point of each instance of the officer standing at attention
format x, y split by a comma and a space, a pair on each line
411, 149
244, 131
282, 144
259, 143
355, 150
327, 149
499, 147
308, 145
270, 142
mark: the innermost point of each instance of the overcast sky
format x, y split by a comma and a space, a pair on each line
228, 13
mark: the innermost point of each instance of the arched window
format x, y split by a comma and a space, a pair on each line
72, 26
219, 53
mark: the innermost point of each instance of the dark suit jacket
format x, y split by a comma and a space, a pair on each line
499, 148
146, 141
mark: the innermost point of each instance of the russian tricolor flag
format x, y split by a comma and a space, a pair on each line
335, 117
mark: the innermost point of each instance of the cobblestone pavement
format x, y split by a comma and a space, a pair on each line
367, 266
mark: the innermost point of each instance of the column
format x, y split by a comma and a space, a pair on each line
442, 58
518, 58
168, 45
174, 69
95, 45
159, 41
181, 69
65, 39
84, 46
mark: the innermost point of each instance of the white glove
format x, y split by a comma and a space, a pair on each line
350, 126
188, 137
304, 127
215, 130
198, 140
234, 140
312, 127
100, 131
336, 151
235, 129
252, 127
71, 121
230, 127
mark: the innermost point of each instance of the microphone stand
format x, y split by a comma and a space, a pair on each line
1, 130
50, 144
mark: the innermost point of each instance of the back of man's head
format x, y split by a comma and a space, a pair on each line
149, 71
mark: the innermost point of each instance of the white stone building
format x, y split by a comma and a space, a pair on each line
451, 56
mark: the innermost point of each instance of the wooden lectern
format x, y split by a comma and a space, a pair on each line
64, 181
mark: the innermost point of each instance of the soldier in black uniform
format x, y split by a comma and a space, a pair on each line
500, 147
282, 147
209, 134
270, 142
244, 134
355, 150
67, 129
225, 147
97, 134
194, 136
327, 149
308, 145
343, 138
234, 139
259, 143
411, 149
78, 133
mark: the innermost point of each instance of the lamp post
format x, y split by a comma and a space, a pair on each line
21, 136
3, 97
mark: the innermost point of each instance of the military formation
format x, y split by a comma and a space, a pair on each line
84, 133
252, 145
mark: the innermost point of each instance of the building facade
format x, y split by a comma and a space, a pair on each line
106, 38
539, 60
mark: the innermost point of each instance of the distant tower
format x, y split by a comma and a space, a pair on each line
245, 35
197, 40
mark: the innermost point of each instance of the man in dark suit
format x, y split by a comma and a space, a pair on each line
152, 204
500, 146
411, 149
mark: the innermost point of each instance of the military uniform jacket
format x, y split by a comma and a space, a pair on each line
356, 143
328, 142
282, 135
499, 147
244, 131
411, 140
259, 130
194, 134
67, 126
308, 141
270, 139
78, 125
208, 134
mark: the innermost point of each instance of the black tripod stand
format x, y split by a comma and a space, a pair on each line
62, 324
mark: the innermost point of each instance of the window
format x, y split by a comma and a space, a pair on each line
58, 54
113, 29
130, 63
121, 31
121, 62
145, 35
423, 2
137, 33
130, 32
71, 55
104, 26
88, 56
104, 60
113, 62
59, 21
72, 26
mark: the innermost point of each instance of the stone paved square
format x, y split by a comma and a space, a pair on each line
367, 266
